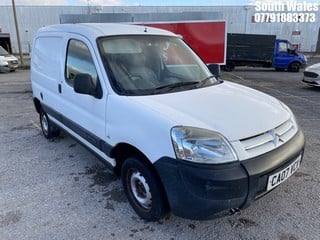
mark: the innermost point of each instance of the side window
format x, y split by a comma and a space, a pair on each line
283, 47
79, 60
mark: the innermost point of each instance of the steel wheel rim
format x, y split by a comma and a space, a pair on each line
44, 124
140, 190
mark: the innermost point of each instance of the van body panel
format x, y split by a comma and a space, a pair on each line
132, 122
46, 71
192, 109
74, 105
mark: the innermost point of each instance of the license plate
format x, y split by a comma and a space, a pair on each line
279, 177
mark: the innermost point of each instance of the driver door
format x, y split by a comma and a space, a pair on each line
84, 114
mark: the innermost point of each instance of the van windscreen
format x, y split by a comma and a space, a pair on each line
145, 65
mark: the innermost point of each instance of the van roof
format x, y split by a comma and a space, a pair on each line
95, 30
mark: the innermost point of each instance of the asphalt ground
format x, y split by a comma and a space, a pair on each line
56, 189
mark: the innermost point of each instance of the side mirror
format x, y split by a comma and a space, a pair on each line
214, 69
83, 84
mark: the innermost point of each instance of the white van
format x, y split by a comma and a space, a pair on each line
8, 62
182, 140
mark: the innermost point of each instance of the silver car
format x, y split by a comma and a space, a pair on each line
8, 62
311, 75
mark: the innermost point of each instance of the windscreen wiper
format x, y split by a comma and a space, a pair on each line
171, 86
203, 82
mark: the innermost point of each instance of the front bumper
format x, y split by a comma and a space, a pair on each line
4, 69
200, 191
312, 81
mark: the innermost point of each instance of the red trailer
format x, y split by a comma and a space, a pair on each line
206, 38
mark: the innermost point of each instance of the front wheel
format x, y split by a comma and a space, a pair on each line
48, 129
294, 67
229, 67
143, 189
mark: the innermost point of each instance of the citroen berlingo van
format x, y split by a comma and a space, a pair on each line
182, 140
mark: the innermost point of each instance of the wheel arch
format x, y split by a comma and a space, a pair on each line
37, 104
291, 67
124, 150
293, 62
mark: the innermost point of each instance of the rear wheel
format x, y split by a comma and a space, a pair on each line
229, 67
48, 129
143, 189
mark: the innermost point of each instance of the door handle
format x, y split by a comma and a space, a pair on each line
59, 88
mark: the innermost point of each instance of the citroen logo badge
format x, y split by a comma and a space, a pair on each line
276, 138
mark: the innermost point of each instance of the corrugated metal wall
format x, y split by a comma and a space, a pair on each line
138, 17
239, 20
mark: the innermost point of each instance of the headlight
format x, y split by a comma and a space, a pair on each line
201, 146
3, 62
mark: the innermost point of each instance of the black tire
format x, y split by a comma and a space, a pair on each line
48, 129
294, 67
229, 67
143, 189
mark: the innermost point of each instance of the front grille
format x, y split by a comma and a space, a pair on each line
310, 74
13, 63
269, 140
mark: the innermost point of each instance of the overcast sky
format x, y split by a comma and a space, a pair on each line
143, 2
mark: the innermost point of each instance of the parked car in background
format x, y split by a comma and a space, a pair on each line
8, 62
311, 75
